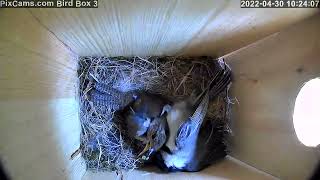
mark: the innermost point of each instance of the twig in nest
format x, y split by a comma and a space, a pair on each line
184, 79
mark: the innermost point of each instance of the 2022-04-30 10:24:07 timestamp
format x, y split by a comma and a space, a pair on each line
279, 3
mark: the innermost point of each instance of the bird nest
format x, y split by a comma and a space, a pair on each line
105, 144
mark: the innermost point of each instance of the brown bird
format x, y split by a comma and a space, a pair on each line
146, 121
141, 113
157, 134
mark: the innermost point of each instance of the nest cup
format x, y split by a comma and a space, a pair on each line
105, 143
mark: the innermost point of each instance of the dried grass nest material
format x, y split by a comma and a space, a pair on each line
105, 144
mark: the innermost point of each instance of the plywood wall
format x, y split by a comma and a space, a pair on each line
34, 64
164, 27
38, 138
268, 76
230, 169
39, 124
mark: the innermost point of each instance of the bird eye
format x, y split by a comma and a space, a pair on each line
153, 136
166, 149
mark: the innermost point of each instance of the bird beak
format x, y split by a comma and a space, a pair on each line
146, 148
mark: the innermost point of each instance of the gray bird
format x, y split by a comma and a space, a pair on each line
187, 147
110, 99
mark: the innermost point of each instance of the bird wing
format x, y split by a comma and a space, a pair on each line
192, 126
161, 135
221, 81
183, 134
201, 111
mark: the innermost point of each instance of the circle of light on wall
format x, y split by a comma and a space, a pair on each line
306, 116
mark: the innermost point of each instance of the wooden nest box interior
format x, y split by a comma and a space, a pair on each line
272, 53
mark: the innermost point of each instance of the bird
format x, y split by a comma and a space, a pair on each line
157, 134
110, 99
146, 121
187, 146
